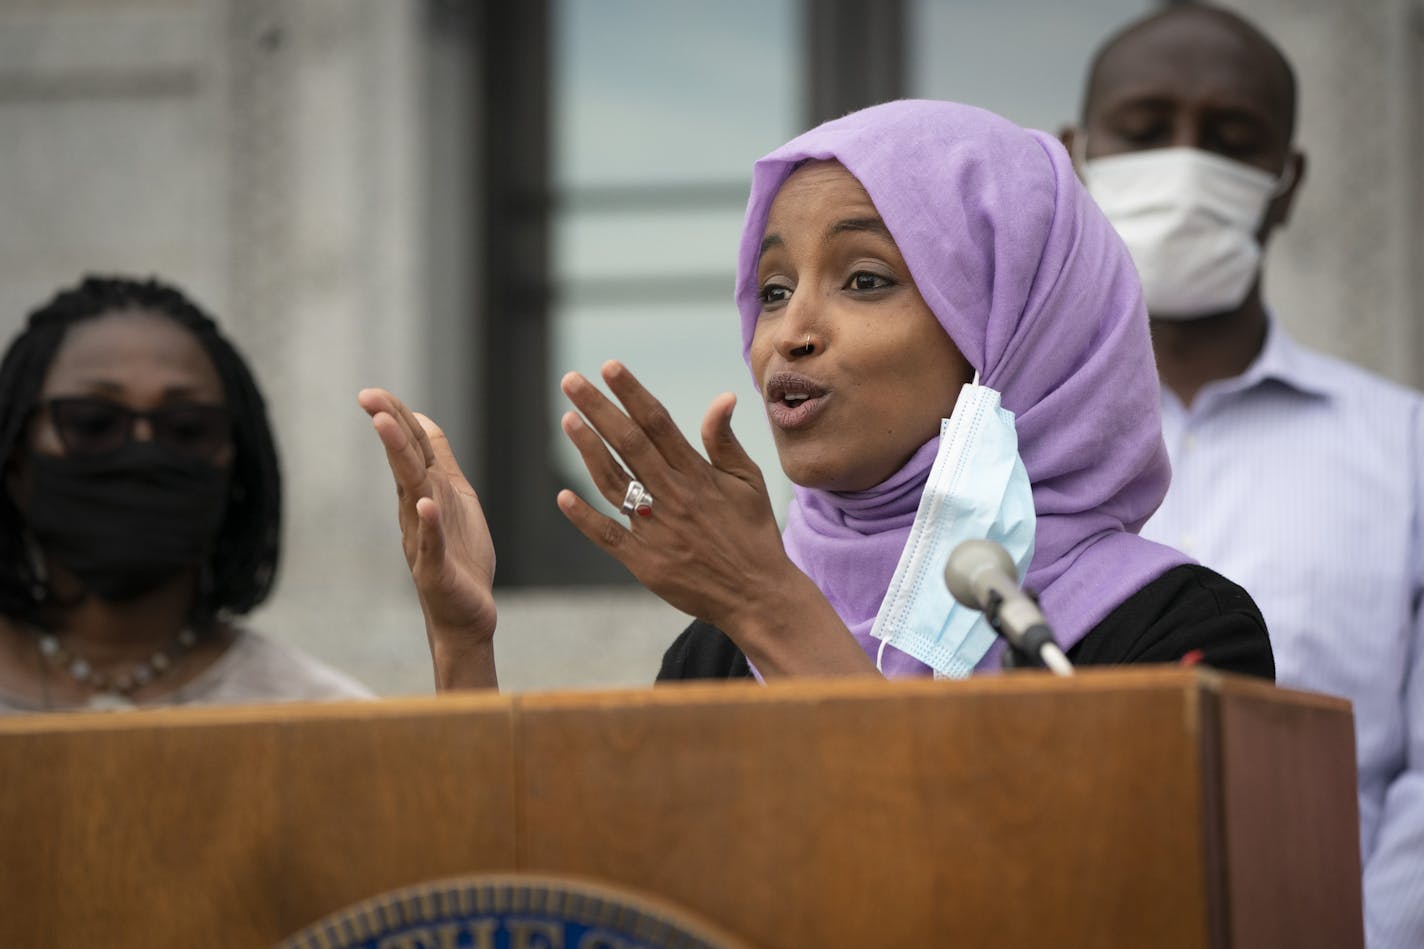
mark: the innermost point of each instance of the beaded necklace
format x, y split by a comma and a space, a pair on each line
113, 689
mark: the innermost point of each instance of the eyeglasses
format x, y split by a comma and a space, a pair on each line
87, 425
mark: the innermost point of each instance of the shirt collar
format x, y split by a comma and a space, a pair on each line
1282, 360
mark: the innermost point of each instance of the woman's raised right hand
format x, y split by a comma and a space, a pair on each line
446, 542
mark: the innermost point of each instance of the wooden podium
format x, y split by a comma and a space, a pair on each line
1132, 807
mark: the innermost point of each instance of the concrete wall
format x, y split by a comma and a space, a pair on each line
1346, 275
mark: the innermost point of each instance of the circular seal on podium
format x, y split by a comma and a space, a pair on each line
512, 911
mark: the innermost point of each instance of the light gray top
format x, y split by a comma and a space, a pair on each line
254, 669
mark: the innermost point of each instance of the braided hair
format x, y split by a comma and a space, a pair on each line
243, 562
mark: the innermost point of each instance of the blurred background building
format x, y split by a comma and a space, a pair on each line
462, 200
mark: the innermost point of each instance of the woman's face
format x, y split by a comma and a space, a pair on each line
140, 361
855, 369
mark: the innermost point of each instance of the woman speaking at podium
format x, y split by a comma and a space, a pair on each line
949, 342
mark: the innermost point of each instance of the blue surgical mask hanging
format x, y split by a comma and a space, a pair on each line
978, 488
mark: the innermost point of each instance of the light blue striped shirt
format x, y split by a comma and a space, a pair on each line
1303, 480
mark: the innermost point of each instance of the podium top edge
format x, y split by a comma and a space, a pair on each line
1103, 680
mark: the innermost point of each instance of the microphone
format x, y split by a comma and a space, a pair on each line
981, 575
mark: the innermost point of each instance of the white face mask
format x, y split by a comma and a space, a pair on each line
1189, 219
978, 487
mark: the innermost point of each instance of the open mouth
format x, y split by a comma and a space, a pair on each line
793, 400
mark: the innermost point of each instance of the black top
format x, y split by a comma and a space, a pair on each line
1187, 609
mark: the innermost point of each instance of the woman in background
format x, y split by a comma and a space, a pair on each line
140, 513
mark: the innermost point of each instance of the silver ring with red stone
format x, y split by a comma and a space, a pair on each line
637, 500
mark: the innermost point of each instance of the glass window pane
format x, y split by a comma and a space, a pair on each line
1025, 60
598, 248
660, 109
659, 91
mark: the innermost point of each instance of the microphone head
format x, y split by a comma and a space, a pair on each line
968, 561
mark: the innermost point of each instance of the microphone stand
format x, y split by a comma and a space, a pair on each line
1036, 649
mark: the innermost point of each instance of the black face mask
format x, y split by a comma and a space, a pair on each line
125, 521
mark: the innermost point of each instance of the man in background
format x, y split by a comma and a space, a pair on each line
1295, 474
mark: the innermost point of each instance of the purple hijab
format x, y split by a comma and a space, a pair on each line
1036, 290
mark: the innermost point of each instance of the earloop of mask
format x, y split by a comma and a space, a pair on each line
1284, 180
